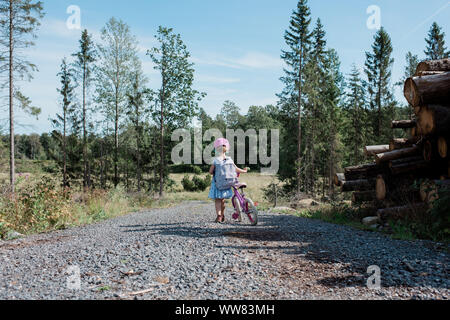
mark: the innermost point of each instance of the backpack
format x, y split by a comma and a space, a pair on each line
225, 175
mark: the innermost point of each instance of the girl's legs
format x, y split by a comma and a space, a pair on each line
220, 209
223, 208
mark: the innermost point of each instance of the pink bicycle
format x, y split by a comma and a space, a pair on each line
243, 204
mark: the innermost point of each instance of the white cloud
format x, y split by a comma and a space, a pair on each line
252, 60
259, 61
57, 28
216, 79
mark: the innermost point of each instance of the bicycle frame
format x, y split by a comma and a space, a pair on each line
240, 196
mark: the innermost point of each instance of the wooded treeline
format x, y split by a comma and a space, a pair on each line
115, 128
338, 115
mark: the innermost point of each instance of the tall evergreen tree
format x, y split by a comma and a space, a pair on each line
85, 58
67, 95
298, 38
136, 113
19, 20
176, 99
333, 84
315, 89
412, 61
436, 48
355, 132
378, 68
117, 58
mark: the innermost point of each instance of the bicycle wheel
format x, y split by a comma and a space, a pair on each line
252, 212
237, 207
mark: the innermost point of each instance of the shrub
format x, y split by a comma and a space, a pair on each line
188, 185
197, 184
36, 208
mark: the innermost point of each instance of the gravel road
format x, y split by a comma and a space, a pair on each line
179, 253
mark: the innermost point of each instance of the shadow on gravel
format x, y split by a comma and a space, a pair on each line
354, 250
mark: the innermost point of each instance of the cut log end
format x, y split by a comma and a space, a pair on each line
380, 188
339, 179
433, 89
442, 147
403, 124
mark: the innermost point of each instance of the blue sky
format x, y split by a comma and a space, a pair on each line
235, 44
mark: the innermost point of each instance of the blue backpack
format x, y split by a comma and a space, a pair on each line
225, 175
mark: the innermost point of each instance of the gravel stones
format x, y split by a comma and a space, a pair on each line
180, 253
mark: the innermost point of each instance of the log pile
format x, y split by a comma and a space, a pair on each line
388, 181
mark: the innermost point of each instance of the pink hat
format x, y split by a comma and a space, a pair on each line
221, 142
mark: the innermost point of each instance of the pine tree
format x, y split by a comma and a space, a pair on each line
19, 20
436, 48
412, 61
298, 39
67, 95
378, 68
85, 58
136, 113
314, 89
356, 125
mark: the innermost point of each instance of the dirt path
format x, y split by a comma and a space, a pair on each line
179, 253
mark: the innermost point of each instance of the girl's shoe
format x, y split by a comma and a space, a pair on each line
220, 219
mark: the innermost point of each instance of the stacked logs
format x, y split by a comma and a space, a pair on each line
388, 181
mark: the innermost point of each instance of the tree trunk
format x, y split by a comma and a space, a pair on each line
12, 161
116, 140
299, 119
433, 65
408, 167
86, 183
161, 169
396, 154
394, 163
428, 73
428, 90
64, 152
374, 150
358, 185
398, 213
403, 124
313, 154
364, 196
397, 144
102, 166
429, 190
363, 171
434, 119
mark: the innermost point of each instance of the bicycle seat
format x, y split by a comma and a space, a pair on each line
242, 185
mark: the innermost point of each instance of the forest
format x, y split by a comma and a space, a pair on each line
114, 126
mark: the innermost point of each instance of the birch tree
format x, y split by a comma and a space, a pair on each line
117, 54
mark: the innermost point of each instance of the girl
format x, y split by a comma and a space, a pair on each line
222, 146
